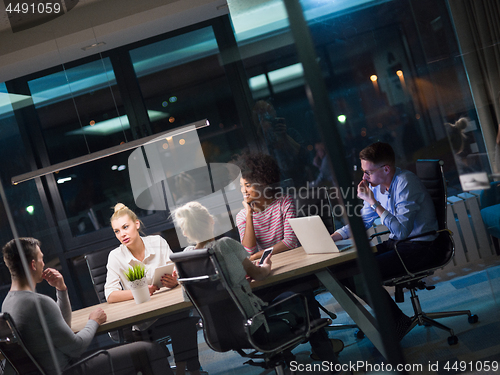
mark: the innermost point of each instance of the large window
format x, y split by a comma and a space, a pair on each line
80, 110
182, 80
387, 77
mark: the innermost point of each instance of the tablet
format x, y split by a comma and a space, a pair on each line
160, 271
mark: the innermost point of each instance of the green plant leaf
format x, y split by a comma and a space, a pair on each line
136, 272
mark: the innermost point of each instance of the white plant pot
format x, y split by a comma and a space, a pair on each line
140, 290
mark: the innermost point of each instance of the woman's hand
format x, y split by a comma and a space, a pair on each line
152, 289
249, 206
267, 264
169, 281
256, 256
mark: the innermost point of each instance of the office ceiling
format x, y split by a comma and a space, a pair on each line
25, 48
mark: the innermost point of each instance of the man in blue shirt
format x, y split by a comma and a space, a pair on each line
404, 206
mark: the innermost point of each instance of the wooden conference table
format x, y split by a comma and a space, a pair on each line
289, 265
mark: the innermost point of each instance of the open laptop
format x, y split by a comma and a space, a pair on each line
314, 236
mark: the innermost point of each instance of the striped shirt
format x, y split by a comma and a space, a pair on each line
271, 225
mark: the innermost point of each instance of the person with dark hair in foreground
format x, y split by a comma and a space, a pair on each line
21, 302
405, 207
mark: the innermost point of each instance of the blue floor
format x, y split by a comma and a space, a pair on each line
426, 350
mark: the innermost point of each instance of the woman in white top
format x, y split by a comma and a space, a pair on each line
151, 251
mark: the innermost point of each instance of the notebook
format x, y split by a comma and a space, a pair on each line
314, 236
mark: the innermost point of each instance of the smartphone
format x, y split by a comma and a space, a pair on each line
265, 254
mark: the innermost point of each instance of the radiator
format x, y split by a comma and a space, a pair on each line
472, 242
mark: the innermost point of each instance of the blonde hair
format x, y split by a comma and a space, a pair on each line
195, 222
122, 210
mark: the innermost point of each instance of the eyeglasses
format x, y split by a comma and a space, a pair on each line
369, 173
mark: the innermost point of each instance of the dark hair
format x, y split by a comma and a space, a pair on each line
377, 153
259, 168
12, 258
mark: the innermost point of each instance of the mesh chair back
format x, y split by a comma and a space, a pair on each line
223, 320
14, 349
96, 262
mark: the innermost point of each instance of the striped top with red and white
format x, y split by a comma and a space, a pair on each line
271, 225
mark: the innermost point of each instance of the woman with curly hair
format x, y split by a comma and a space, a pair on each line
263, 222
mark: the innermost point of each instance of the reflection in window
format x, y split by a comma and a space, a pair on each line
389, 78
70, 103
182, 81
24, 200
79, 113
90, 191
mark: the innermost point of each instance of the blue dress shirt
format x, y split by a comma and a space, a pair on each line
409, 209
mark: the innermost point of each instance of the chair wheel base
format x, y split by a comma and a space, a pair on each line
473, 319
452, 340
359, 334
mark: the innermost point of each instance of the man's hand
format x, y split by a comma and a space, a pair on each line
365, 193
169, 281
98, 315
54, 278
336, 236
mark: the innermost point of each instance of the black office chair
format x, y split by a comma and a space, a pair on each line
96, 263
15, 352
227, 326
431, 174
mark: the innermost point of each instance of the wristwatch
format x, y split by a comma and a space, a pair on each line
375, 205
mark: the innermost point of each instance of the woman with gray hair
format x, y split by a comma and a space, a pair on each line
197, 225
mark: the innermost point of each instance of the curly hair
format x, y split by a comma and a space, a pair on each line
259, 168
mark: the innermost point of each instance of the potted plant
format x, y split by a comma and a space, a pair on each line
138, 284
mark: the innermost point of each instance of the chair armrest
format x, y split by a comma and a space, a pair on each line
284, 311
411, 238
408, 238
379, 234
99, 352
197, 279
